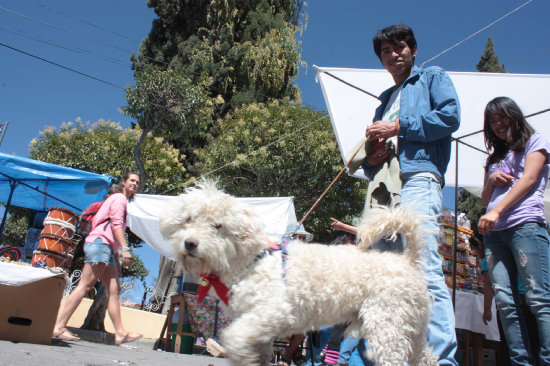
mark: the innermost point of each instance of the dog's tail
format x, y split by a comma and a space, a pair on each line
385, 223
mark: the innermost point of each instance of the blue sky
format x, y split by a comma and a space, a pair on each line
97, 38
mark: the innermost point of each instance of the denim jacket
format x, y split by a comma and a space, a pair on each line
428, 115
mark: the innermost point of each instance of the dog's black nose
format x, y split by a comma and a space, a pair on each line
191, 244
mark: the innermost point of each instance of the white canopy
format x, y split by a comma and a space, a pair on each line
351, 110
144, 212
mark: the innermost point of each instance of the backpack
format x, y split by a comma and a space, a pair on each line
84, 225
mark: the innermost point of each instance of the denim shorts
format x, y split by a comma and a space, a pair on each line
97, 252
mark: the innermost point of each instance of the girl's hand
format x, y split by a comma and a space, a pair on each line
487, 222
501, 179
336, 225
126, 258
487, 316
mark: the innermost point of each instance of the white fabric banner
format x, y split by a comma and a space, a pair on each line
351, 110
145, 210
469, 314
18, 275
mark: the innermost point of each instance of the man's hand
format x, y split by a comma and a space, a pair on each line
377, 152
382, 130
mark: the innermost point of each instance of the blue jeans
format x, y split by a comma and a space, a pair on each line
521, 250
423, 196
346, 349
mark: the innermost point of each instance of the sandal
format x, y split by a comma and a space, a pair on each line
65, 335
282, 362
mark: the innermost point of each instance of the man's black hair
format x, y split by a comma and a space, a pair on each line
394, 34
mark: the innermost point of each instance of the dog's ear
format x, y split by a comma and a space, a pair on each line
171, 219
253, 224
250, 227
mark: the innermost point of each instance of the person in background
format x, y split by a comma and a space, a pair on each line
420, 112
101, 262
515, 238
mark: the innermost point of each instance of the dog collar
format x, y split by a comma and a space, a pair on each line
208, 280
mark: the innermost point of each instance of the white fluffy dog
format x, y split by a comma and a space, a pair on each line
382, 295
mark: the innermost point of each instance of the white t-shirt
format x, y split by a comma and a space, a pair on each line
391, 114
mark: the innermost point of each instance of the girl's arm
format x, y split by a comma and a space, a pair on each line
533, 165
338, 225
487, 191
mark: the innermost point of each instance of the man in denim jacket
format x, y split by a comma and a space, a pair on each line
420, 112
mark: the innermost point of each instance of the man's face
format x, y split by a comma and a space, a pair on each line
397, 59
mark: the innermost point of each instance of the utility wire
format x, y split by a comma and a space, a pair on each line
50, 42
530, 57
63, 67
70, 32
476, 33
227, 84
57, 11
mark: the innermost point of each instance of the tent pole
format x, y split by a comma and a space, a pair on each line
455, 234
13, 184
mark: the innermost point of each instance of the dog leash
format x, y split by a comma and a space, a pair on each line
361, 146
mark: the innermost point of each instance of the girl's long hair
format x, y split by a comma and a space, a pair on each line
519, 133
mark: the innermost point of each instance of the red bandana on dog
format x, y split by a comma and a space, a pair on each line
206, 281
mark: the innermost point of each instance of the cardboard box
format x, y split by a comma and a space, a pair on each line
28, 312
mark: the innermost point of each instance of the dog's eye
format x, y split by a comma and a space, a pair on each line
217, 226
188, 220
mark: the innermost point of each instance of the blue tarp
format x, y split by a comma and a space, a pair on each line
38, 185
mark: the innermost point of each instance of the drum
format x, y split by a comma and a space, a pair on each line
42, 258
60, 222
56, 244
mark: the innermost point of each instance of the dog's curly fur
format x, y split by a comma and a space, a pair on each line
382, 295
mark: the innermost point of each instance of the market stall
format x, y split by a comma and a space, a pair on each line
30, 296
38, 185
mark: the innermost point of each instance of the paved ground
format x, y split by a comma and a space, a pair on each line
92, 353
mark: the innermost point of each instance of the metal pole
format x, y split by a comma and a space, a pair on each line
13, 184
455, 234
3, 128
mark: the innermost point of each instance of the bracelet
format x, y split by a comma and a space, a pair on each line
125, 249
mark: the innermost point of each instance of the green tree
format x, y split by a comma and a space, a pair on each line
170, 105
488, 61
15, 230
276, 149
246, 50
105, 147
